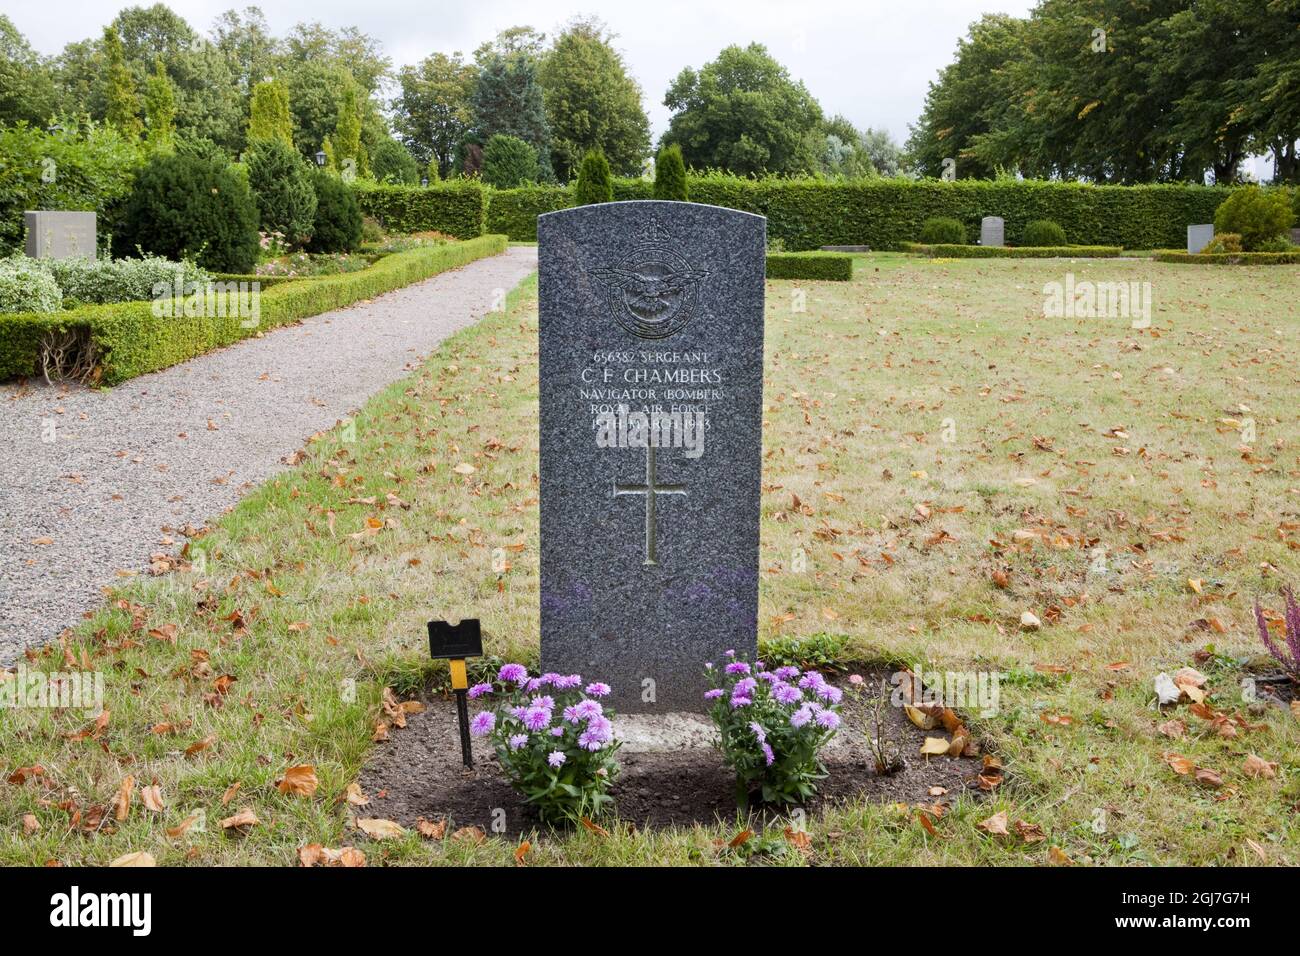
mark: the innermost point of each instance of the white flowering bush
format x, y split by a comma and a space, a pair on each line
101, 281
772, 725
26, 287
553, 738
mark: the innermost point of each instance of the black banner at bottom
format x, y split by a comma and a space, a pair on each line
173, 905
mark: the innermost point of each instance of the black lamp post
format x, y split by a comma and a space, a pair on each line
320, 158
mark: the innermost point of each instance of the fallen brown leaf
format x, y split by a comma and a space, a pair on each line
381, 829
1259, 768
995, 825
300, 781
244, 818
472, 835
431, 831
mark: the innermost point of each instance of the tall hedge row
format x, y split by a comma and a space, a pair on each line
456, 209
885, 213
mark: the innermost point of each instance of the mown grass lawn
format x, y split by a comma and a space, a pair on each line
958, 458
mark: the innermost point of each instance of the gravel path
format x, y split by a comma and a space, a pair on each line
127, 462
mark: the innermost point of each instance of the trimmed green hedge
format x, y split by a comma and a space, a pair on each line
826, 266
458, 208
1231, 258
1013, 252
267, 281
514, 212
885, 213
130, 340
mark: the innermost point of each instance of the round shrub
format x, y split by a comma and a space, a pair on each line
26, 286
391, 162
595, 184
1043, 232
938, 230
1257, 215
281, 182
508, 162
190, 207
337, 226
1279, 244
1224, 242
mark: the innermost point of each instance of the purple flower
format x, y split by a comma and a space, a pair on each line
537, 718
811, 680
567, 682
478, 690
828, 719
571, 714
730, 653
518, 740
516, 673
767, 753
597, 689
555, 758
745, 686
518, 712
599, 732
588, 709
548, 702
830, 693
557, 731
737, 667
785, 694
714, 694
758, 731
801, 716
739, 701
482, 723
785, 673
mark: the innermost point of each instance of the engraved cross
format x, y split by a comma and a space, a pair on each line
651, 492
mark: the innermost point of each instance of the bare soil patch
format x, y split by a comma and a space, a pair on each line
671, 775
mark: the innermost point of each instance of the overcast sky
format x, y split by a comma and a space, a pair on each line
868, 59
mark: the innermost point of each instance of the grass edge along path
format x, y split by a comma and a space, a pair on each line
130, 340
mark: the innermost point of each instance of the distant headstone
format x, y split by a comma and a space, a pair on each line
60, 235
992, 231
1198, 237
651, 396
1295, 237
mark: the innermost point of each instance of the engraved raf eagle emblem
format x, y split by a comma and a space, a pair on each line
653, 292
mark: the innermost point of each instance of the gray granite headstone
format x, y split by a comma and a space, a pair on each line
649, 560
60, 235
992, 231
1295, 237
1198, 237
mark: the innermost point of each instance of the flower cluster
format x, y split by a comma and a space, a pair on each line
772, 725
1286, 653
553, 737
